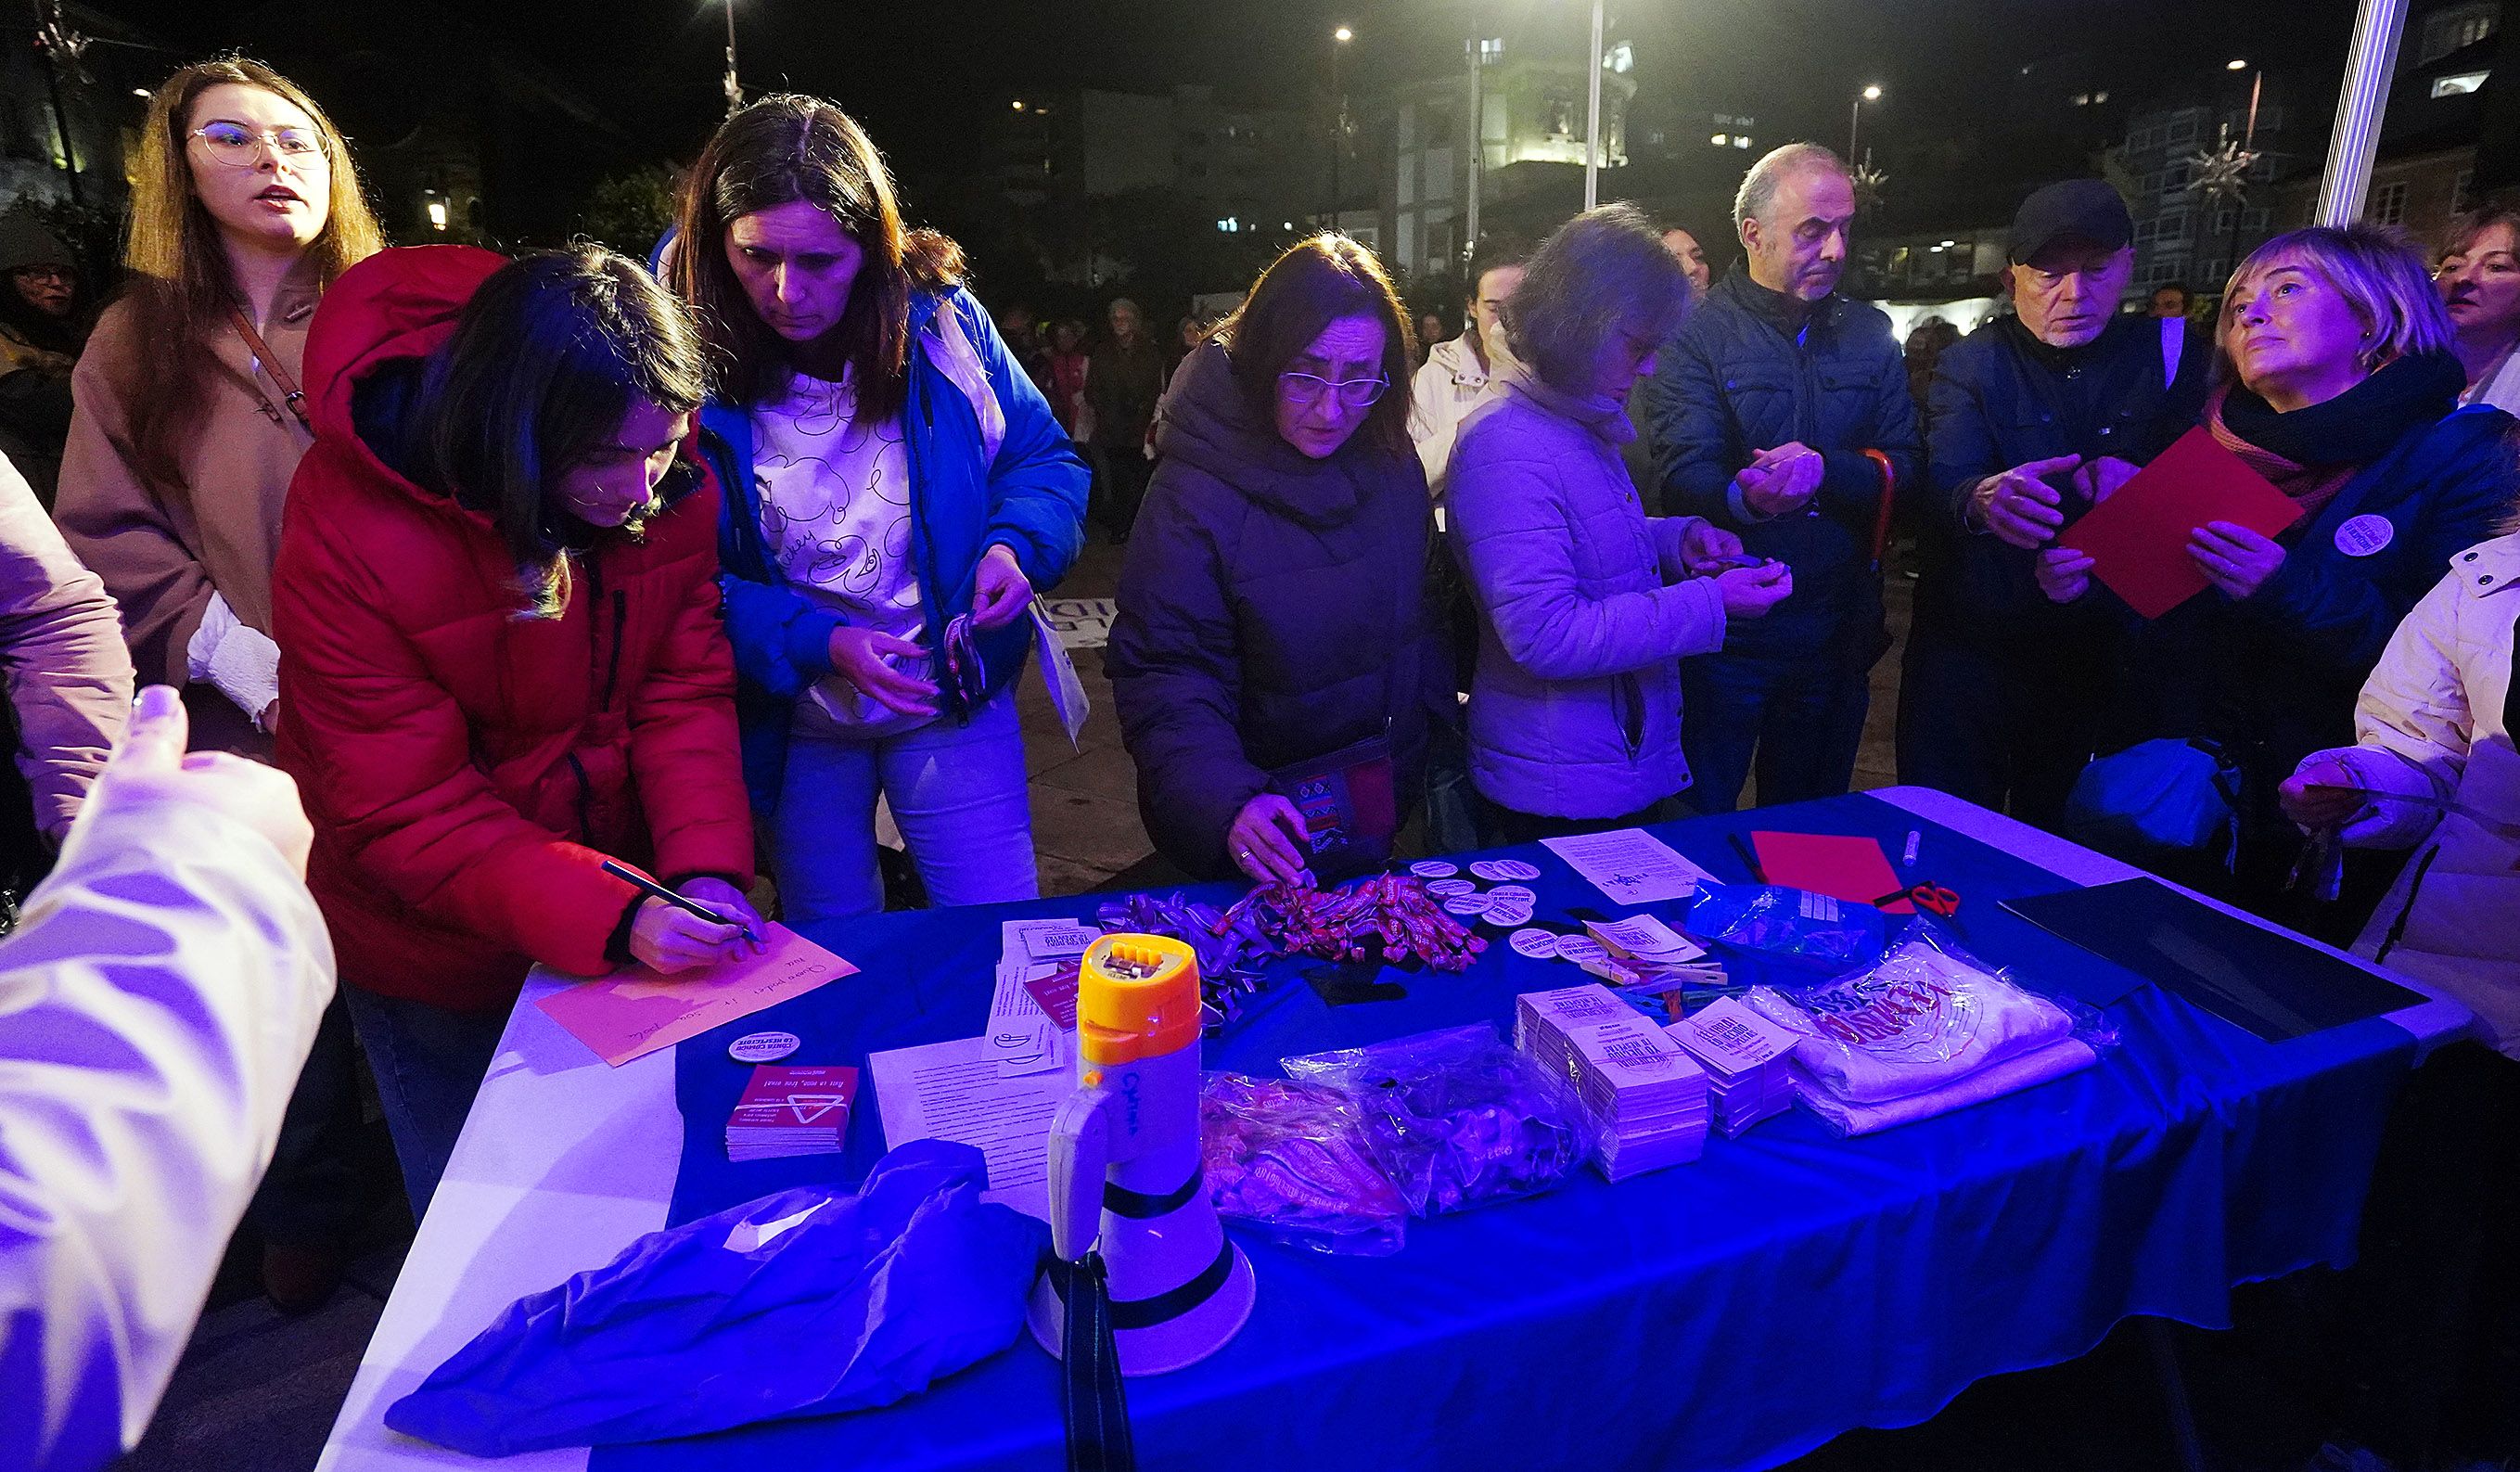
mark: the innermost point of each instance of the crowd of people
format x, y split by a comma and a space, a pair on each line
518, 567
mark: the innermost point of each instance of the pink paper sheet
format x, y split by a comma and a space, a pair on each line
633, 1011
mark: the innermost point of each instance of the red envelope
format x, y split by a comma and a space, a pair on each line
1844, 867
2138, 538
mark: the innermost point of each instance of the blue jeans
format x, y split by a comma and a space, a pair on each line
1802, 717
958, 794
429, 1061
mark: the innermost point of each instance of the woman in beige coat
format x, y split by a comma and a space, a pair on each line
187, 425
2433, 769
187, 421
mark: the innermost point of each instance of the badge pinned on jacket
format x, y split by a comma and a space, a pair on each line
2362, 536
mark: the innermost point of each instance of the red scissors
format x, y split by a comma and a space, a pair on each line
1932, 898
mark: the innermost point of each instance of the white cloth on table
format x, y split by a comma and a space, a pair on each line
1917, 1019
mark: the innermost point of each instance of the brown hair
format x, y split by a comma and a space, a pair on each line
1313, 284
181, 289
1597, 274
548, 354
2468, 224
786, 148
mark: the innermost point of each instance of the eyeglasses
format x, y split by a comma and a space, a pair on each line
1304, 389
239, 146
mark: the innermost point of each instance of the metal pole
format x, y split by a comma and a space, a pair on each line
1854, 122
1592, 120
734, 88
1478, 147
2360, 108
1338, 134
61, 125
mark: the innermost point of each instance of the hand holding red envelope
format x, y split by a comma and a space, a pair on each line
2138, 538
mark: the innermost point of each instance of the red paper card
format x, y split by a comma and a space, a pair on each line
2138, 538
1057, 996
784, 1096
1843, 867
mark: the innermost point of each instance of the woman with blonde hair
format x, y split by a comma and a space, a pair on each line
2338, 385
189, 422
186, 424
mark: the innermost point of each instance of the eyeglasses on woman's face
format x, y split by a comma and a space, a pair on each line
1304, 389
239, 147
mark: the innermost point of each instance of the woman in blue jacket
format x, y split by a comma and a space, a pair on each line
2339, 388
896, 489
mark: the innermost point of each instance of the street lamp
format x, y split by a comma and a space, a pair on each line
1339, 127
2237, 63
1593, 119
1855, 116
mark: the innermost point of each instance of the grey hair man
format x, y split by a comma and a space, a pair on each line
1782, 413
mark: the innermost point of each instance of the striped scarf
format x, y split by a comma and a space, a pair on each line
2310, 487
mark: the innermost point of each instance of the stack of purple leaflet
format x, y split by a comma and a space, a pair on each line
1646, 1095
1746, 1058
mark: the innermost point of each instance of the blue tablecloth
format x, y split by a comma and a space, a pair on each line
1729, 1314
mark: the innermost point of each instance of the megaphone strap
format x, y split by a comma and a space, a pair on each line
1165, 1306
1138, 1206
1092, 1400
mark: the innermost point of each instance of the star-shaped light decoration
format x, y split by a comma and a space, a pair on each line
55, 37
2222, 175
1868, 182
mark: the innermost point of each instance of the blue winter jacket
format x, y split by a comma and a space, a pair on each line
1742, 376
1031, 497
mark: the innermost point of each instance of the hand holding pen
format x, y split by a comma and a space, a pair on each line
676, 932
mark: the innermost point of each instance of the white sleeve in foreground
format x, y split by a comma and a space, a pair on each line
155, 1006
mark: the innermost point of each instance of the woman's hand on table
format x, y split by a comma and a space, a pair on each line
1268, 841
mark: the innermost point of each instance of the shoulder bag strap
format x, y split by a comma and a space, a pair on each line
291, 397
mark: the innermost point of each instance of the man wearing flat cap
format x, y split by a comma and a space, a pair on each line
2033, 418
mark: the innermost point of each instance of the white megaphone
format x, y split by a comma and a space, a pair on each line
1124, 1165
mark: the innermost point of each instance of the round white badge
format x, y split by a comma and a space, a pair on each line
2361, 536
1467, 905
1505, 869
1511, 893
1580, 949
1535, 943
1444, 889
762, 1047
1434, 868
1506, 914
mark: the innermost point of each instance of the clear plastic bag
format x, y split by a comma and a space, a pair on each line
1791, 924
1927, 1015
1457, 1118
1290, 1158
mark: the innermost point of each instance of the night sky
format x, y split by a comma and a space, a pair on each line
931, 80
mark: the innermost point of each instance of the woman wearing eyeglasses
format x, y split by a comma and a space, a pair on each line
896, 490
186, 431
189, 423
1589, 603
1274, 660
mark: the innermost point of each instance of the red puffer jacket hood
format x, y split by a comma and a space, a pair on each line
468, 767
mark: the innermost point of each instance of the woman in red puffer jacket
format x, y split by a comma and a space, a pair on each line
501, 653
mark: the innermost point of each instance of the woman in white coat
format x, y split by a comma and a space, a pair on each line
2433, 732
